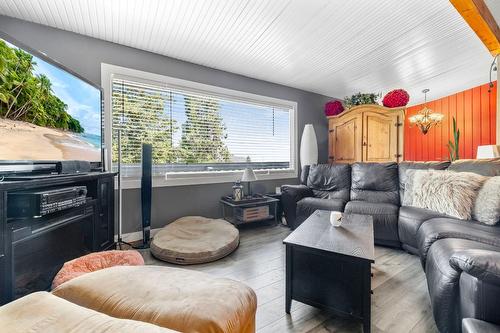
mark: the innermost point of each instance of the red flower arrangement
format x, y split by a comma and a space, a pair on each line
396, 98
333, 108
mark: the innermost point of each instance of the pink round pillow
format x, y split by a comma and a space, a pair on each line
96, 261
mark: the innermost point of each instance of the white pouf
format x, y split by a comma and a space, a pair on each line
195, 240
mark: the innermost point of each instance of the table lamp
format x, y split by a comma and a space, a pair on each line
489, 151
249, 176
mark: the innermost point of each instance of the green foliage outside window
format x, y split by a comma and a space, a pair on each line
144, 118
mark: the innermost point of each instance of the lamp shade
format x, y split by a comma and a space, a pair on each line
308, 146
248, 175
489, 151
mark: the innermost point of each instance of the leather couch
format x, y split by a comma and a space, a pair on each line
461, 258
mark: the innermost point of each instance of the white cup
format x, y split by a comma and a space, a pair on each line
336, 218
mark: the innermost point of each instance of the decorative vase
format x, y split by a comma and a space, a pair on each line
308, 146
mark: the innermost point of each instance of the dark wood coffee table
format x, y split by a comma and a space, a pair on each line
330, 267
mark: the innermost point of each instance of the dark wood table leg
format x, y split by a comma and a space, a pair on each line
288, 279
367, 300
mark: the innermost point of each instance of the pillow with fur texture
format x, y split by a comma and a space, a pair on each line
487, 206
446, 192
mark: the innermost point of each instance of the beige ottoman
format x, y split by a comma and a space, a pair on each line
195, 240
42, 312
174, 298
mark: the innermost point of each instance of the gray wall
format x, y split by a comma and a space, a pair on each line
84, 56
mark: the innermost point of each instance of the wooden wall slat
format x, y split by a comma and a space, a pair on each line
475, 112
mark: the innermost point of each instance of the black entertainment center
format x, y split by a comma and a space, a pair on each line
34, 247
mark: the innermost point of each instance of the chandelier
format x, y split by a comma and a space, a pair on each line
425, 118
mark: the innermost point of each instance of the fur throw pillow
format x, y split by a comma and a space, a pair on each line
446, 192
487, 206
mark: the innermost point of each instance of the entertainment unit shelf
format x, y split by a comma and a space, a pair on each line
36, 247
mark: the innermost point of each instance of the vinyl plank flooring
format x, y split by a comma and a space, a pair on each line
400, 302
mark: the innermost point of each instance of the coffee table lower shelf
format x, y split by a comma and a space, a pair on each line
329, 281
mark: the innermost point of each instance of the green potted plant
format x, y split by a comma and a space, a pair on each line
360, 99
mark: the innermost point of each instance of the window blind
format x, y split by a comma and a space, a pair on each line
193, 131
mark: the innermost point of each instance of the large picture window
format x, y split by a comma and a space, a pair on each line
199, 133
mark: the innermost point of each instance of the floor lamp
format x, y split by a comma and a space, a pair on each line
308, 146
119, 240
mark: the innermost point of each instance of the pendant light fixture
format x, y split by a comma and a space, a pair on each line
425, 118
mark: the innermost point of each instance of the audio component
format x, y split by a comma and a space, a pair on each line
72, 167
40, 202
146, 190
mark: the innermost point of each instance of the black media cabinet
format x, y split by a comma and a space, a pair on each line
32, 250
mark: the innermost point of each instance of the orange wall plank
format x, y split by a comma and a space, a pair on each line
475, 111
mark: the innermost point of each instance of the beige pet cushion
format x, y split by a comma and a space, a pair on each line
195, 240
179, 299
42, 312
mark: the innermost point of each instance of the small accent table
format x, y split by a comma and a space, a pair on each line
229, 209
330, 267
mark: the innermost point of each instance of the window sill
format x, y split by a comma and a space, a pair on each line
204, 178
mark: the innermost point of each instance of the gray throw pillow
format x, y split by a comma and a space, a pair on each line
446, 192
487, 206
408, 195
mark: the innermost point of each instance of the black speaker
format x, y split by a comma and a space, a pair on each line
70, 167
146, 190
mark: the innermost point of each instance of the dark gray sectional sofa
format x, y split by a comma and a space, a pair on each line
461, 258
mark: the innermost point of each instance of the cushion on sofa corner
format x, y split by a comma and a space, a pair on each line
487, 205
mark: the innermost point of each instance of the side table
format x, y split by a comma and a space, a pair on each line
229, 209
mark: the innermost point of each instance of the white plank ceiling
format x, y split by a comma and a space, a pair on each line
333, 47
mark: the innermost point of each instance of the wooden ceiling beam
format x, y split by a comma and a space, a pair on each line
480, 19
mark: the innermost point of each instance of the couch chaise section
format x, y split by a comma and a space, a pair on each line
456, 290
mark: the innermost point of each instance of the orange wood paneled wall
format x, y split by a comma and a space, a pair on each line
475, 112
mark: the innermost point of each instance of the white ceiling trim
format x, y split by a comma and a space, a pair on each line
332, 47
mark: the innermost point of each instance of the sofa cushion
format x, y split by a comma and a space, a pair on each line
375, 182
330, 180
410, 220
443, 281
385, 219
307, 206
179, 299
444, 227
42, 312
405, 166
450, 193
487, 205
486, 167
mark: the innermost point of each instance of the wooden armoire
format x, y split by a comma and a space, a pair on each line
366, 133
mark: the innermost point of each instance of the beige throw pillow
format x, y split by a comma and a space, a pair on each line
487, 206
446, 192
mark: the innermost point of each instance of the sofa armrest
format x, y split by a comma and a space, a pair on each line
481, 264
290, 195
471, 325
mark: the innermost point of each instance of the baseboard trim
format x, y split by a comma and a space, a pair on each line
135, 236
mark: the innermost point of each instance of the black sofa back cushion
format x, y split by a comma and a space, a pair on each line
375, 182
489, 167
404, 166
330, 180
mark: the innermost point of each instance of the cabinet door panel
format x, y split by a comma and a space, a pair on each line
346, 140
379, 137
104, 226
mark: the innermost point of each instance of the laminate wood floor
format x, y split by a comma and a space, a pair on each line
400, 302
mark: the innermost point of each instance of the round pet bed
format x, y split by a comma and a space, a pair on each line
195, 240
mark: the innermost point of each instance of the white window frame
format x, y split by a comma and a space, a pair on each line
108, 72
